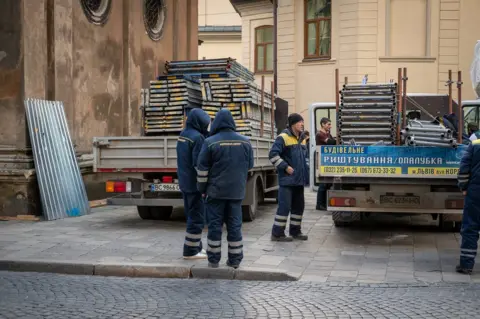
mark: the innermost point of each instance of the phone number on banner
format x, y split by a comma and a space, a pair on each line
361, 170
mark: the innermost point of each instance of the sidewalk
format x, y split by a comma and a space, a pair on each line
386, 249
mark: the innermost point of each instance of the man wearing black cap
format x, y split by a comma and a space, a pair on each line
288, 155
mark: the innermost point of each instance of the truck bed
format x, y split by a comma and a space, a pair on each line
144, 154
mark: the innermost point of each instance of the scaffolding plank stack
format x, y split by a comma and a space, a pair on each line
243, 99
428, 133
168, 100
196, 68
367, 114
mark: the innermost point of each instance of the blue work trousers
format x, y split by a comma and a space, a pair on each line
195, 214
470, 229
221, 211
322, 195
291, 201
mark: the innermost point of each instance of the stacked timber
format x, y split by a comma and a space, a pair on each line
168, 100
367, 114
428, 133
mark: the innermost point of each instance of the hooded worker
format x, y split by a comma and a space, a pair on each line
189, 144
469, 183
288, 156
223, 165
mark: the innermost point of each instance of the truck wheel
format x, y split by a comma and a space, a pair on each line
144, 212
250, 211
161, 212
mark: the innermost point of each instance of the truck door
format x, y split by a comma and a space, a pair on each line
317, 112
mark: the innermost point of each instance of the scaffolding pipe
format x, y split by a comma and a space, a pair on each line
399, 99
337, 98
449, 83
361, 111
404, 86
389, 123
460, 110
272, 110
369, 86
422, 129
364, 129
430, 139
262, 107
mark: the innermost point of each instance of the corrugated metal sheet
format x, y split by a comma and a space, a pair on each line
61, 186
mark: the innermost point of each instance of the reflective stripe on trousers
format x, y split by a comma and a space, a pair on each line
230, 212
470, 229
290, 200
195, 214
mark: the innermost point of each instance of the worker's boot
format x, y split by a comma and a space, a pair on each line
300, 236
462, 270
234, 266
282, 238
212, 265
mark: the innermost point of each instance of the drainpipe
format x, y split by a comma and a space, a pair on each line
275, 6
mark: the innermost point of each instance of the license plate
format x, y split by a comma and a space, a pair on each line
400, 200
164, 188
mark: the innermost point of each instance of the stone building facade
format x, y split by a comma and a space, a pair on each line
95, 56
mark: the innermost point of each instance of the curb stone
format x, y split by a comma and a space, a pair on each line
148, 270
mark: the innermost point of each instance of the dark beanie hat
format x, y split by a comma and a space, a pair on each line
294, 118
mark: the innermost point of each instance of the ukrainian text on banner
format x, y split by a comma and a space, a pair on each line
423, 161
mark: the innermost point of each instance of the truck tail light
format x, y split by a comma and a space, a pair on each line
342, 202
118, 187
454, 204
167, 179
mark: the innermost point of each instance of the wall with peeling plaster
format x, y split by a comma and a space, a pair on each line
49, 50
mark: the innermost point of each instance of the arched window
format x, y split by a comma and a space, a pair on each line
264, 49
318, 28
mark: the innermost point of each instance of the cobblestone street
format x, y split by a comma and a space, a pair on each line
28, 295
381, 249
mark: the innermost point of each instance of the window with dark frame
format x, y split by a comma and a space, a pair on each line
318, 29
264, 49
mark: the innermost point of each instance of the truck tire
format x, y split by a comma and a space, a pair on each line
341, 221
144, 212
250, 211
161, 212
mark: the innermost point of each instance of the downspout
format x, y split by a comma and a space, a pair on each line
275, 6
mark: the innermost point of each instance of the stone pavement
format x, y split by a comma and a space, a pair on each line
381, 249
33, 295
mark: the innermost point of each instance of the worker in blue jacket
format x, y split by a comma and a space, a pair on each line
189, 144
469, 183
223, 165
288, 156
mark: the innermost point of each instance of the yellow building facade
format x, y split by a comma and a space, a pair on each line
359, 37
219, 30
